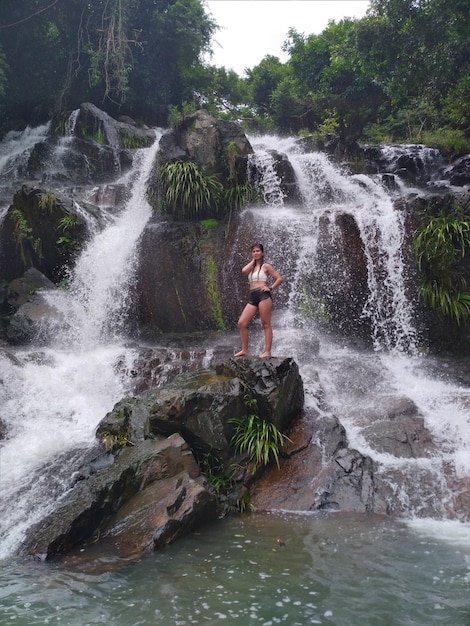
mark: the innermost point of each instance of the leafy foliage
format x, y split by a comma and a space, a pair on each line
401, 73
439, 246
237, 196
47, 201
113, 441
188, 190
260, 439
143, 55
219, 476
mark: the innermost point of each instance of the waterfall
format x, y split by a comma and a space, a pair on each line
359, 385
15, 150
52, 399
99, 290
328, 193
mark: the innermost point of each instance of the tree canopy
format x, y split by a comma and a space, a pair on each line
401, 73
132, 56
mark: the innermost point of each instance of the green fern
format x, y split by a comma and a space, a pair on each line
439, 246
187, 189
68, 222
454, 305
261, 440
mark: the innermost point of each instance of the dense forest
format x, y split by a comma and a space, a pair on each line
401, 73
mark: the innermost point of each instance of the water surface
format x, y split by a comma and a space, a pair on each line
333, 569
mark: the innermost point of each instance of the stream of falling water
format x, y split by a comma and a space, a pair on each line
53, 398
355, 382
339, 569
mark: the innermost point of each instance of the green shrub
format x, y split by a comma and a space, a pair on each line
261, 440
132, 141
188, 190
447, 140
47, 201
219, 476
439, 245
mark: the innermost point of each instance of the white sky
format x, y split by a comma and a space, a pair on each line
251, 29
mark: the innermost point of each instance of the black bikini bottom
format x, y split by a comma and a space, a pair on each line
257, 296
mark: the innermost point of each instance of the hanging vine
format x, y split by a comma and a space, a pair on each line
111, 58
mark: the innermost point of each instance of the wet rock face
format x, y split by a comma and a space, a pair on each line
341, 282
33, 234
120, 498
175, 283
397, 429
219, 146
320, 471
141, 487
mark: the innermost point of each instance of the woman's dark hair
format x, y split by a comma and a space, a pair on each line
261, 247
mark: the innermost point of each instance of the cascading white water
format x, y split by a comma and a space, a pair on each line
58, 157
53, 399
327, 193
100, 283
15, 150
356, 384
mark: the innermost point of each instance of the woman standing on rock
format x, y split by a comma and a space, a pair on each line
260, 300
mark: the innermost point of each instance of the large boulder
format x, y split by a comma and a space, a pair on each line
218, 146
105, 143
199, 405
141, 488
120, 500
340, 282
179, 276
33, 314
317, 472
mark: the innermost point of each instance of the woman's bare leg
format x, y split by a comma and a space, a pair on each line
247, 315
265, 308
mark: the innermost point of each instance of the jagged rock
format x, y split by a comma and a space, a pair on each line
200, 405
459, 172
274, 383
395, 428
32, 321
322, 473
99, 129
33, 313
142, 490
159, 515
21, 289
115, 495
33, 234
219, 146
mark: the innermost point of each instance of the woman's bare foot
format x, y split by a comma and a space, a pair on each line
265, 355
241, 353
